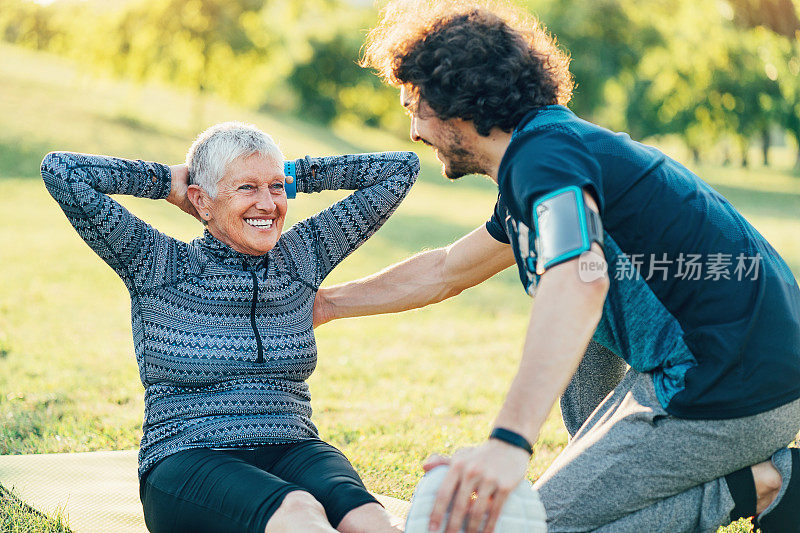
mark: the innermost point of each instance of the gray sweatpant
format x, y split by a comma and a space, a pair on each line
598, 373
633, 467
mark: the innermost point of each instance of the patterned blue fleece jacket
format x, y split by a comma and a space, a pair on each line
224, 341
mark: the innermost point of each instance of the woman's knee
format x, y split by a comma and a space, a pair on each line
301, 502
299, 509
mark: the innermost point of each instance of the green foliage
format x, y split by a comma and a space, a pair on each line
331, 84
709, 71
606, 40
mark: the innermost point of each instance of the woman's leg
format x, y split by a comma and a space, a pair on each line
325, 472
369, 517
203, 490
299, 511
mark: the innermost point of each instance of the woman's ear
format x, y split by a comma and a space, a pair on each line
201, 201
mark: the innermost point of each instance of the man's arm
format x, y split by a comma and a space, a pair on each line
565, 313
423, 279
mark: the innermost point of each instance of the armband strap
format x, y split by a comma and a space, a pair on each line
512, 438
564, 227
289, 169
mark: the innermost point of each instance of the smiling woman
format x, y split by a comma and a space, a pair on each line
238, 187
223, 325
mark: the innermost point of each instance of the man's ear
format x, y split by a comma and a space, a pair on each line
200, 200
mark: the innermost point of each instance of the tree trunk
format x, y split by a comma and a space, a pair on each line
198, 111
797, 163
696, 156
765, 144
745, 148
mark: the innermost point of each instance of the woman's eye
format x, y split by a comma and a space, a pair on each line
277, 186
245, 187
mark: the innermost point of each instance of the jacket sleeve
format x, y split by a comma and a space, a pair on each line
81, 184
380, 181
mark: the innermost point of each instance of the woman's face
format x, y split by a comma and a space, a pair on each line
248, 211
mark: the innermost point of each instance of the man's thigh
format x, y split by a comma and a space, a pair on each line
598, 373
631, 453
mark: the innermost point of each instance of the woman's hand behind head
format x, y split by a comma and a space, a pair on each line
180, 185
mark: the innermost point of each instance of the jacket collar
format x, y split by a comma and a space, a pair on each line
222, 253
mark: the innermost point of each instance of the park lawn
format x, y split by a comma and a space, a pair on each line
388, 390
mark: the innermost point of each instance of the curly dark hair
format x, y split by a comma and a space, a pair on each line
488, 63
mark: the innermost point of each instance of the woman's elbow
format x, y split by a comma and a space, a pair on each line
412, 165
51, 169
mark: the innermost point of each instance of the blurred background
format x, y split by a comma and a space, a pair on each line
720, 76
715, 83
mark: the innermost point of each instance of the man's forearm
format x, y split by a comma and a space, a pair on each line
426, 278
415, 282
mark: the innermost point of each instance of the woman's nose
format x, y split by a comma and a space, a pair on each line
265, 201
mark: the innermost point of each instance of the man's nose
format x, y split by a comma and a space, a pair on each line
414, 134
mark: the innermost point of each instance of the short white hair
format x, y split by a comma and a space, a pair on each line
220, 145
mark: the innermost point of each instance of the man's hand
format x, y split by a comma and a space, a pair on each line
478, 483
177, 193
323, 311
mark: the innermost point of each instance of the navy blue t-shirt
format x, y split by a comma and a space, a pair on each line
697, 296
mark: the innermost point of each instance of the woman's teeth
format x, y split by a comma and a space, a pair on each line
259, 222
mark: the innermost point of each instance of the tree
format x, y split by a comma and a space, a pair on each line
191, 43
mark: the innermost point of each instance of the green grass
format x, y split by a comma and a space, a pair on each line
388, 390
16, 517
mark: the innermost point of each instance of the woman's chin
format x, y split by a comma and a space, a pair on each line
261, 247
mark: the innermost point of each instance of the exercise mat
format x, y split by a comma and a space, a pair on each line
93, 491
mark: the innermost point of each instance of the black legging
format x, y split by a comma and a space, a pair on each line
238, 490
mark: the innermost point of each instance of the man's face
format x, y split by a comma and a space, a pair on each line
449, 138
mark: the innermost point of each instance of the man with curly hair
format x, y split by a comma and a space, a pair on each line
622, 246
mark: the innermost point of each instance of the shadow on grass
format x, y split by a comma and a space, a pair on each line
137, 125
319, 132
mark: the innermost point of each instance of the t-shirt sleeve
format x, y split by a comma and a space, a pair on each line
544, 161
495, 225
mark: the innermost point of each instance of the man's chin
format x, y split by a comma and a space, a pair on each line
451, 173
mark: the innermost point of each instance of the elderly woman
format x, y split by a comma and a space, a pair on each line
222, 325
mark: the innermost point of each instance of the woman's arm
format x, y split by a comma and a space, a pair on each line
81, 183
380, 180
